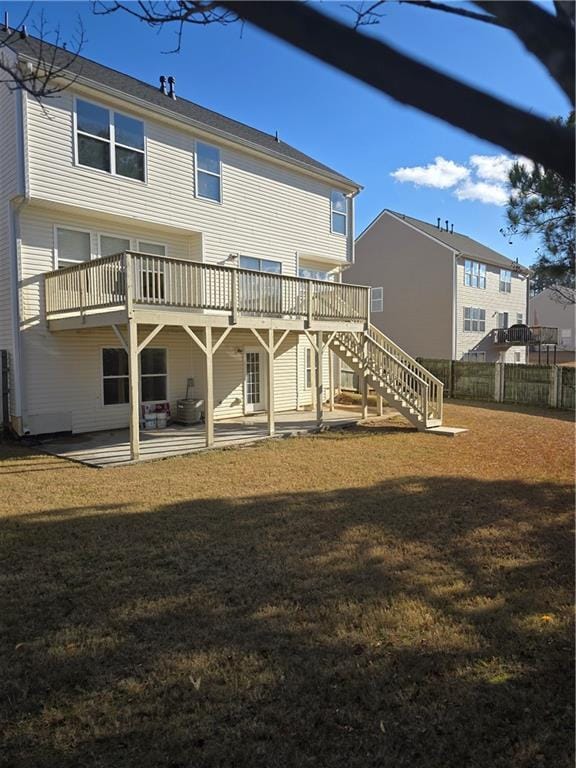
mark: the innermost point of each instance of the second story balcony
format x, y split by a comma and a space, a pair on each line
138, 284
518, 335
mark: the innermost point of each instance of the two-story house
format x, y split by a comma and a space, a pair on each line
151, 248
439, 293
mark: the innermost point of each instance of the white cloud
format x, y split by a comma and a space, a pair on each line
441, 174
483, 178
492, 167
483, 192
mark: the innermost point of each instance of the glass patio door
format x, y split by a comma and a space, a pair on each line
253, 381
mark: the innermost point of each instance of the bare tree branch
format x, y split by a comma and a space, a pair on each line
371, 15
41, 70
412, 83
549, 38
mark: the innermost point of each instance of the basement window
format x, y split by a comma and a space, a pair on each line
474, 357
109, 141
377, 300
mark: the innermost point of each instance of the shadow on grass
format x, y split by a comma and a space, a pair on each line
420, 622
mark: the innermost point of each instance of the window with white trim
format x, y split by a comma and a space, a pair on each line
208, 172
519, 318
502, 319
153, 375
474, 357
339, 212
377, 299
565, 337
474, 274
261, 265
109, 141
115, 376
72, 247
307, 368
112, 244
474, 319
517, 357
315, 274
505, 281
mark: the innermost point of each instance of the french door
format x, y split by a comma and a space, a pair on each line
253, 381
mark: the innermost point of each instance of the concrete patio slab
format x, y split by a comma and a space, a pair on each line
111, 448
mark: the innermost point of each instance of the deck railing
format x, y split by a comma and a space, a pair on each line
524, 334
142, 280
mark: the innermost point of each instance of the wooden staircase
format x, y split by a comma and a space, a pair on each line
402, 381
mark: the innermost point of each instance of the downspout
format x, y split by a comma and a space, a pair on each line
16, 206
527, 347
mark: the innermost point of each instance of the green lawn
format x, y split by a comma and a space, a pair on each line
375, 597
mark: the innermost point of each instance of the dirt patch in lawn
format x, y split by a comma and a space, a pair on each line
374, 597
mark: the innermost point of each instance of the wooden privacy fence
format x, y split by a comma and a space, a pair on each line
545, 385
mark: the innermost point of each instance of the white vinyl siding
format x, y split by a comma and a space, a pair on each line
267, 210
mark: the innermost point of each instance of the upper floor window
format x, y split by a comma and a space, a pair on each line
109, 141
339, 210
72, 247
502, 319
208, 172
474, 274
505, 280
474, 319
377, 300
261, 265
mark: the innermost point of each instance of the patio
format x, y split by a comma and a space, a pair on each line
111, 448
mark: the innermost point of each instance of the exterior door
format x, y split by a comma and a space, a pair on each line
253, 381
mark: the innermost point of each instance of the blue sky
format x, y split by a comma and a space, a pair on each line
254, 78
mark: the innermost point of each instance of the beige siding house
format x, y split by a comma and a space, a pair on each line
547, 311
152, 249
438, 293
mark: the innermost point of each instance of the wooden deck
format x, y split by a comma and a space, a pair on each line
112, 448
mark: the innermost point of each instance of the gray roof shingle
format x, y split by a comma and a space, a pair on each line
98, 73
465, 245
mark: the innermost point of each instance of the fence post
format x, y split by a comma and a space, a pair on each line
555, 376
499, 381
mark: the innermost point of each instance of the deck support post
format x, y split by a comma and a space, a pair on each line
331, 378
380, 405
319, 377
133, 389
271, 427
209, 390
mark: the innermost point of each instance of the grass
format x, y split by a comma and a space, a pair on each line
375, 597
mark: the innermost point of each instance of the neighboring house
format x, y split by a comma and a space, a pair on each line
547, 311
148, 244
438, 293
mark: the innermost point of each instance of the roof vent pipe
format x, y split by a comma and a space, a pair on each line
163, 84
438, 224
446, 225
171, 84
451, 229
